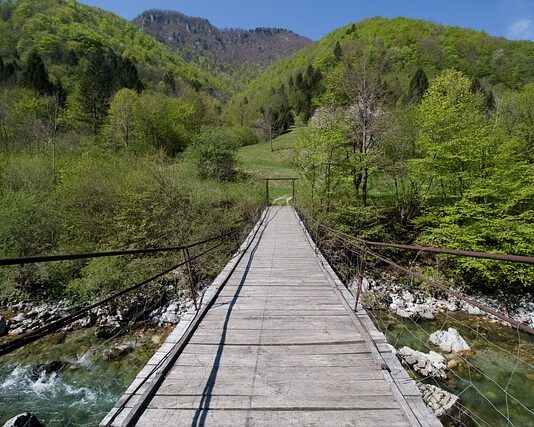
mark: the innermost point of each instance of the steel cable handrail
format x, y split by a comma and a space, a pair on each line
88, 255
522, 259
14, 344
362, 245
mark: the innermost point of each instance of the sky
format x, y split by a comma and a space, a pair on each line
512, 19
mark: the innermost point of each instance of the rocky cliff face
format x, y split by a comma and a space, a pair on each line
197, 37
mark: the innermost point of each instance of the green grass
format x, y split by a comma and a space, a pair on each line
260, 161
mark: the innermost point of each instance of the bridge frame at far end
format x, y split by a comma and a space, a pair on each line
268, 180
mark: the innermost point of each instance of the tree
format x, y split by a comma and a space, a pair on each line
214, 152
95, 91
454, 138
322, 157
34, 74
478, 86
170, 83
367, 93
121, 121
418, 86
338, 52
303, 89
124, 74
7, 72
516, 110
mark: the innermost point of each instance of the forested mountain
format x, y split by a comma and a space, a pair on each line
411, 131
197, 39
96, 119
66, 32
404, 45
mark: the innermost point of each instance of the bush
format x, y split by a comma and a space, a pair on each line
214, 154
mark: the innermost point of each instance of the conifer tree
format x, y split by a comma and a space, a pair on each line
489, 100
170, 83
125, 74
95, 92
338, 52
418, 86
34, 74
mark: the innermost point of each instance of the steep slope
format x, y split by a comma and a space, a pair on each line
198, 40
65, 31
407, 45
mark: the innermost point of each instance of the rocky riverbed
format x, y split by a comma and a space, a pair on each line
462, 359
417, 303
108, 321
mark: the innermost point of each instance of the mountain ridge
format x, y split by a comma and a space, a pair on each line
197, 37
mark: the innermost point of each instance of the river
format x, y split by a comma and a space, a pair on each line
84, 391
481, 378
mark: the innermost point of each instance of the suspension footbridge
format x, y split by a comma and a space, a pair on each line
275, 341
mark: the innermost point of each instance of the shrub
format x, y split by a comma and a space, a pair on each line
214, 154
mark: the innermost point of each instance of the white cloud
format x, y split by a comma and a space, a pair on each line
521, 29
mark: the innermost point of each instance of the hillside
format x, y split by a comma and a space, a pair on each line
197, 39
406, 45
63, 32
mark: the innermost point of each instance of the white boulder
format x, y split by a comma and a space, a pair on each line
449, 341
429, 364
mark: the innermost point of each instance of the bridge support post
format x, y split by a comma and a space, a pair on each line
361, 272
192, 286
267, 191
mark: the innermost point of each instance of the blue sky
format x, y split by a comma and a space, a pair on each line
315, 18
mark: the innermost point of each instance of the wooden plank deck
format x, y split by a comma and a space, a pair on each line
277, 345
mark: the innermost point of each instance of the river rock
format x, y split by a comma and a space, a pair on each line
449, 341
429, 365
3, 326
472, 310
48, 368
17, 331
414, 312
24, 420
19, 318
442, 403
118, 351
110, 329
172, 314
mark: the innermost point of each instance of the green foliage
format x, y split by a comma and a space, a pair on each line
214, 154
121, 129
338, 51
25, 226
22, 117
95, 91
450, 172
480, 196
454, 138
408, 44
104, 200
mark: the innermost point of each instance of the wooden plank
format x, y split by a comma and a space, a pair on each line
268, 418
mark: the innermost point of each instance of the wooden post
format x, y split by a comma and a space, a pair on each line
192, 286
267, 191
293, 195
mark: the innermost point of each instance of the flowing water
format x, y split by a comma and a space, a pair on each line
503, 360
83, 391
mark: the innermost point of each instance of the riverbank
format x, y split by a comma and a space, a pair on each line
493, 379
